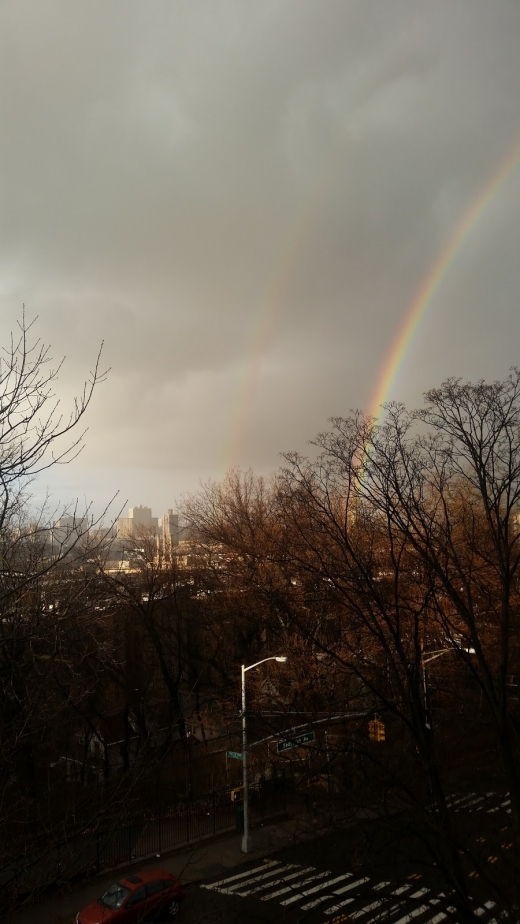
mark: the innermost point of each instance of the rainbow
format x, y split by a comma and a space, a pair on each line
262, 328
387, 66
433, 279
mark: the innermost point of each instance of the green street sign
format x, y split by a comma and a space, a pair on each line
295, 742
234, 754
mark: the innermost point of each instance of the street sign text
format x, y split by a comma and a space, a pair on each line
295, 742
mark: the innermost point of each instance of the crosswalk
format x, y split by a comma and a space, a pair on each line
486, 802
343, 895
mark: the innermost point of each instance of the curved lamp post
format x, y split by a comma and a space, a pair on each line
433, 655
246, 839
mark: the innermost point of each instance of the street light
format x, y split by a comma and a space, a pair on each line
246, 839
433, 655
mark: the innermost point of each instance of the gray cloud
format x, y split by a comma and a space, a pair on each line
242, 200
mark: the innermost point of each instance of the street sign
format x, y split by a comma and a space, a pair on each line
234, 754
295, 742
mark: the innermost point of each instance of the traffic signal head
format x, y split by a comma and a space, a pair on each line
376, 730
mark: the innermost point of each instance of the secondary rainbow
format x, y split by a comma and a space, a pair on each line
434, 278
387, 66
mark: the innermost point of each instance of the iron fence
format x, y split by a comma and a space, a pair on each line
151, 831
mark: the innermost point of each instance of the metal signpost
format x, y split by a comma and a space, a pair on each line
295, 742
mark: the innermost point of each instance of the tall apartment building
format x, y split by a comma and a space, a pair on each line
140, 522
169, 527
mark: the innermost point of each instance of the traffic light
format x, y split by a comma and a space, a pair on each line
376, 730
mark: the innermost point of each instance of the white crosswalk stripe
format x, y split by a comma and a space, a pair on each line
265, 865
376, 904
291, 887
307, 892
276, 882
346, 901
236, 889
365, 910
326, 897
399, 905
474, 802
451, 803
420, 910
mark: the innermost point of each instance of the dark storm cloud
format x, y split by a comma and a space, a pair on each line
158, 160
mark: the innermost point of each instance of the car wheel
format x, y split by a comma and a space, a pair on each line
173, 909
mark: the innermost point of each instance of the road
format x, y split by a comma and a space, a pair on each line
331, 881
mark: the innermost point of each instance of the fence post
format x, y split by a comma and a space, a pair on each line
214, 815
187, 819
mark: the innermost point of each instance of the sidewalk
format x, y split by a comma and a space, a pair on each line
209, 858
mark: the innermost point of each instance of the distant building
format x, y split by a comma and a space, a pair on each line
169, 528
140, 522
66, 533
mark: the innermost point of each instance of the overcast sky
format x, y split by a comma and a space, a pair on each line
242, 199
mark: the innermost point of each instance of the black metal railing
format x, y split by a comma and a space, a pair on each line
151, 831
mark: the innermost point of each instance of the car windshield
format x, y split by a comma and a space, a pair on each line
115, 896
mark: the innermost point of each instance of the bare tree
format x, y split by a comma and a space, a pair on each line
395, 553
48, 648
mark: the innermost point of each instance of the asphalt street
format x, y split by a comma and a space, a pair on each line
363, 875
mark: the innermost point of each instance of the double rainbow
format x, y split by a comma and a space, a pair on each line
433, 279
285, 268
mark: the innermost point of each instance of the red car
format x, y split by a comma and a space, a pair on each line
136, 898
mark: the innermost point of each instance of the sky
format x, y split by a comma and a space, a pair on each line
242, 201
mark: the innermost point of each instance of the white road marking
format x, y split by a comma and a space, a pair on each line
293, 885
276, 882
398, 905
304, 894
326, 897
346, 901
452, 802
474, 802
417, 911
264, 866
268, 896
236, 888
339, 905
366, 909
376, 904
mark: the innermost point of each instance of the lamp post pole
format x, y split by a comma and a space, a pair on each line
246, 839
